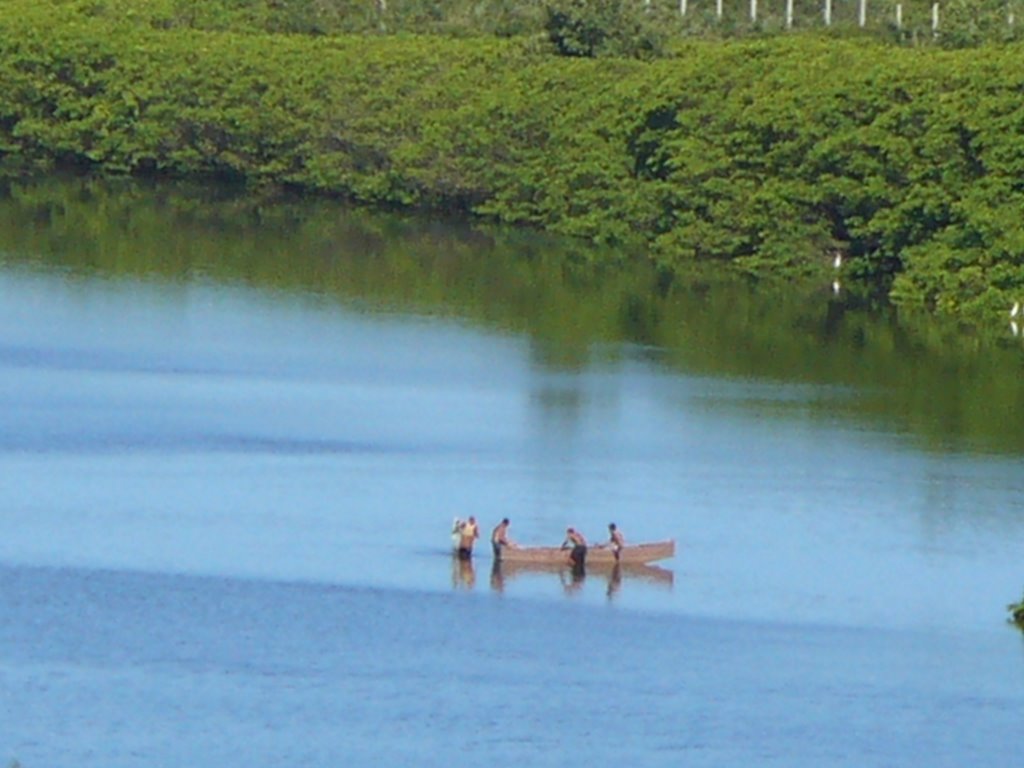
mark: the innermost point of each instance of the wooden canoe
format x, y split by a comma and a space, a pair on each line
600, 555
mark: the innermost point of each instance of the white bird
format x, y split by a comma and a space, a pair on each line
1015, 310
835, 287
837, 262
1014, 329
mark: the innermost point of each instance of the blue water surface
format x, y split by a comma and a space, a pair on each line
225, 541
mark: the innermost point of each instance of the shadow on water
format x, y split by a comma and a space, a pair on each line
579, 307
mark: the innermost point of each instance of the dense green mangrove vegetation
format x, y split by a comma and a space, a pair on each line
909, 374
588, 27
1017, 613
772, 154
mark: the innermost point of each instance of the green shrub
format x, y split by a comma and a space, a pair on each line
1017, 613
592, 28
969, 23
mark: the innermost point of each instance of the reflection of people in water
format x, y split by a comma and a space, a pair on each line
578, 556
497, 577
614, 581
463, 574
574, 583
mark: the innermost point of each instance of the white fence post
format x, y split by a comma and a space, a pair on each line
826, 12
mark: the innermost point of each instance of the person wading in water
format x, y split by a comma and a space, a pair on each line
470, 533
500, 539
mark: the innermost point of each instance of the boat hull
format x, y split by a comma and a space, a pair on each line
634, 554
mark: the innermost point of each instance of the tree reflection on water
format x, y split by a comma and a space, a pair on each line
578, 306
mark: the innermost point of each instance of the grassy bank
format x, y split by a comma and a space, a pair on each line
770, 154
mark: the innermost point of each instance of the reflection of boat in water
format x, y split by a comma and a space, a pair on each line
505, 570
600, 556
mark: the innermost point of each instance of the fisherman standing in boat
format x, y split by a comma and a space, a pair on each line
470, 533
616, 541
500, 539
578, 556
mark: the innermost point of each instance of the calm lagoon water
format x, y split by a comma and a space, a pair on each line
224, 541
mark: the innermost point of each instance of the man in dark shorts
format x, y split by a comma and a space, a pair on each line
575, 540
469, 534
499, 538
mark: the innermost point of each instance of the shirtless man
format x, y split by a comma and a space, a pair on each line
499, 538
470, 533
616, 541
575, 540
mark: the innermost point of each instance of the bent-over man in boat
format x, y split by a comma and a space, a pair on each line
576, 541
